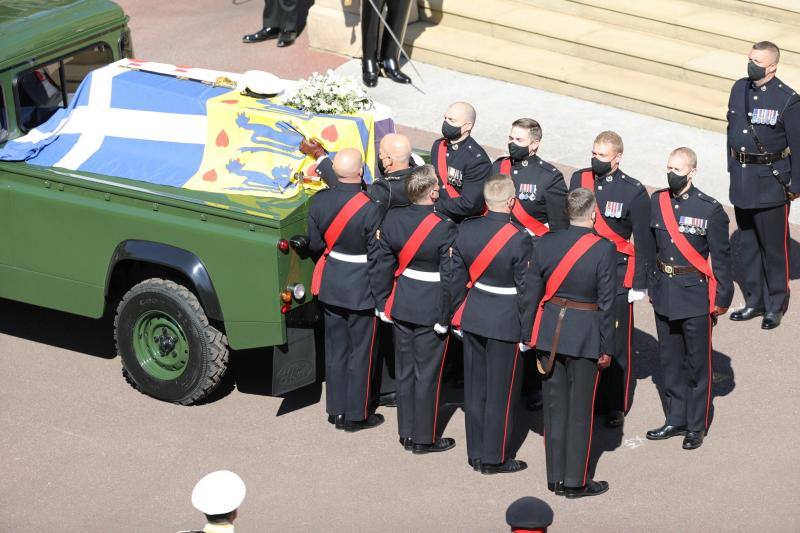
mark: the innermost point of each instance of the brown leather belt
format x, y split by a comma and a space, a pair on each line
673, 270
564, 304
758, 159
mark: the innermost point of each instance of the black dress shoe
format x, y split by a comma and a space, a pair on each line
264, 34
390, 70
556, 488
441, 445
372, 421
509, 467
665, 432
771, 320
592, 488
336, 420
388, 400
407, 443
615, 419
746, 313
693, 440
475, 464
287, 38
369, 72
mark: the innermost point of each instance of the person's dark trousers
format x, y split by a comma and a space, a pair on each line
531, 379
764, 256
280, 14
492, 377
614, 391
350, 338
419, 360
569, 393
397, 12
684, 348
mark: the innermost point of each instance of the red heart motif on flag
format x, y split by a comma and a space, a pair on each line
211, 175
312, 170
222, 138
330, 133
229, 101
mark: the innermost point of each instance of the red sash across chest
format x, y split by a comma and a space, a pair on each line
441, 166
524, 218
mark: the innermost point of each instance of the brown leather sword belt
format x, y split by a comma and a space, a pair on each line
675, 270
564, 304
758, 159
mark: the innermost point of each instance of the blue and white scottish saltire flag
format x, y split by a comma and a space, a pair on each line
124, 123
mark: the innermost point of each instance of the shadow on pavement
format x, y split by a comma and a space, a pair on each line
62, 330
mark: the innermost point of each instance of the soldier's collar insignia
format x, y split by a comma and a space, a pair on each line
524, 162
455, 146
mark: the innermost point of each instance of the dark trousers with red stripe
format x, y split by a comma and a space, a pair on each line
492, 377
764, 256
349, 361
614, 393
684, 348
569, 393
419, 362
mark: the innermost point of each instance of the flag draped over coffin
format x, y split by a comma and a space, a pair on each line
165, 130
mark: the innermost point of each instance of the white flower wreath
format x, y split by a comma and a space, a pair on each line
328, 94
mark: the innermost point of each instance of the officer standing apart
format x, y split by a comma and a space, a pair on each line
493, 310
414, 279
623, 212
375, 46
763, 129
218, 495
342, 224
461, 164
573, 284
687, 295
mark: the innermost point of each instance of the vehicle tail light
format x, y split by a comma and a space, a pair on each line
298, 291
285, 308
286, 297
283, 246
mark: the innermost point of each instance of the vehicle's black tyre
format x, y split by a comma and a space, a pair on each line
168, 348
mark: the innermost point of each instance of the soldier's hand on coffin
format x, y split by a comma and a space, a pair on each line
313, 148
603, 361
523, 347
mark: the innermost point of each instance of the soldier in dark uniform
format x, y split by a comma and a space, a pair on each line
694, 228
461, 164
540, 205
573, 284
397, 12
342, 225
414, 279
493, 310
541, 189
623, 212
763, 129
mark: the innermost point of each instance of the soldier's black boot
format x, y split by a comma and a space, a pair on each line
390, 70
556, 488
372, 421
693, 440
771, 320
407, 443
665, 432
509, 467
592, 488
264, 34
746, 313
369, 72
336, 420
441, 445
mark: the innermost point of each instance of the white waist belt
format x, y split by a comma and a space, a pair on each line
421, 275
350, 258
495, 290
532, 234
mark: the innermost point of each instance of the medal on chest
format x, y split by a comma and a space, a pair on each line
768, 117
613, 210
527, 191
454, 176
692, 225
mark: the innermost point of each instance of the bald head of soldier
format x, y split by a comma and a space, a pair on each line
681, 168
499, 193
459, 119
349, 165
762, 62
581, 208
394, 153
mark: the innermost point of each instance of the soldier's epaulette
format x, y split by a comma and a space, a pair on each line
707, 198
473, 148
785, 88
548, 167
471, 219
631, 181
444, 217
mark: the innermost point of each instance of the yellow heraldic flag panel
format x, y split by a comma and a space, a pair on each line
252, 146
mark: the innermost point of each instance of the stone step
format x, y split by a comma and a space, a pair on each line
600, 42
787, 11
504, 59
687, 20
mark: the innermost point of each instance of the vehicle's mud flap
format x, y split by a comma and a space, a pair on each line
294, 364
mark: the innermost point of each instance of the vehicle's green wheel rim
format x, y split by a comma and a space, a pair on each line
160, 345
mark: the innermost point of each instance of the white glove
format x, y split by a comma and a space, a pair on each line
377, 312
459, 333
440, 329
635, 296
385, 318
523, 347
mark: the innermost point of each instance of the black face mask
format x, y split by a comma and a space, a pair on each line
517, 152
450, 132
600, 168
676, 182
755, 73
381, 168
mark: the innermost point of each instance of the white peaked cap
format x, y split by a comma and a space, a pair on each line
261, 82
219, 492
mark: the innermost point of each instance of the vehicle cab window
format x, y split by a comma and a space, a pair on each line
3, 123
45, 89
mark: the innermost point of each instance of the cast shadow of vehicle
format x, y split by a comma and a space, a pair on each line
60, 330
